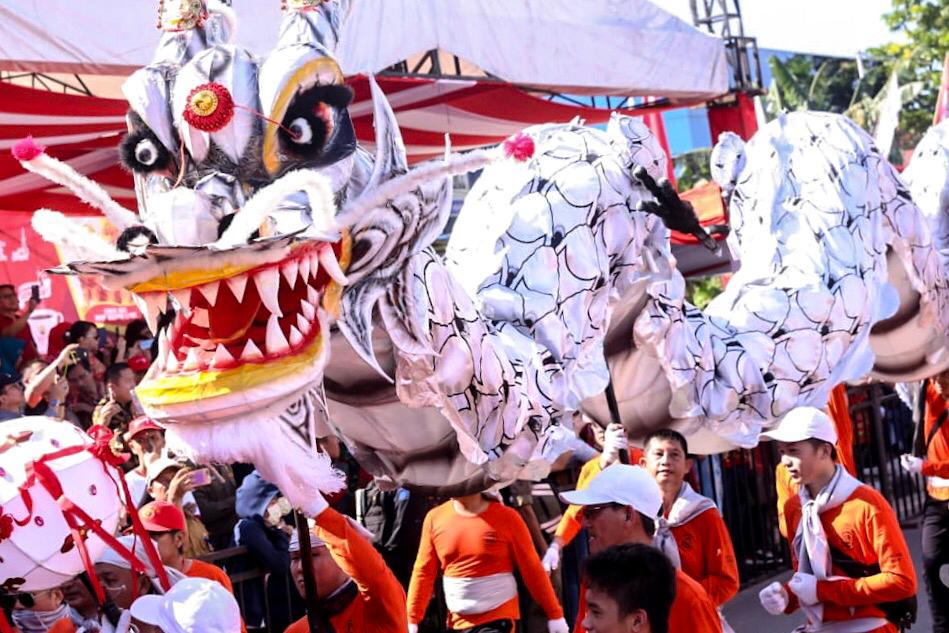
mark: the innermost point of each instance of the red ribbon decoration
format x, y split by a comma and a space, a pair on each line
76, 518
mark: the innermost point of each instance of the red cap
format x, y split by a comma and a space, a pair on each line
139, 363
161, 516
141, 423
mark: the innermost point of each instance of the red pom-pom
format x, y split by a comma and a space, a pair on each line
519, 147
27, 149
209, 108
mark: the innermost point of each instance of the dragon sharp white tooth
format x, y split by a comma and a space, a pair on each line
192, 360
328, 260
295, 337
151, 305
268, 287
308, 310
276, 342
289, 271
312, 296
251, 351
314, 263
304, 268
221, 356
172, 365
182, 301
237, 284
303, 325
210, 291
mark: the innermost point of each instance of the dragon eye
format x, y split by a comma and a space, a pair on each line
146, 153
302, 131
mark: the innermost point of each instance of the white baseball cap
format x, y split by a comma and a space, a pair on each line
157, 467
803, 423
622, 484
192, 605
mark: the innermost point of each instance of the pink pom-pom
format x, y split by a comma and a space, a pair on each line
520, 147
27, 149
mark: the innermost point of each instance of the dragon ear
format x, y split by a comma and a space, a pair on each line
727, 161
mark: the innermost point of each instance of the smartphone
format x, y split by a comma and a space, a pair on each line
201, 477
146, 344
103, 337
35, 293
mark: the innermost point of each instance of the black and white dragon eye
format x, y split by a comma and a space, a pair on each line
145, 152
301, 131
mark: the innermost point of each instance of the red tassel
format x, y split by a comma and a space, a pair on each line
27, 149
520, 147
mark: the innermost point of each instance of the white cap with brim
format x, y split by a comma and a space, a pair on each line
157, 467
315, 541
622, 484
803, 423
193, 605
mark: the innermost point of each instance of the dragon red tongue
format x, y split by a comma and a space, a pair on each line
230, 318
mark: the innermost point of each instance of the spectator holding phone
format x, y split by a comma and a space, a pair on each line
13, 323
46, 387
115, 410
174, 481
85, 335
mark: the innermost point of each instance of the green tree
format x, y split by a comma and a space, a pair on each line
692, 168
924, 25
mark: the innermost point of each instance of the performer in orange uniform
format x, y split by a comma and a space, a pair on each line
700, 542
475, 543
617, 508
572, 521
935, 527
358, 593
838, 408
837, 523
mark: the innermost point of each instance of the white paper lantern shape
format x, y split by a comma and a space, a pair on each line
41, 554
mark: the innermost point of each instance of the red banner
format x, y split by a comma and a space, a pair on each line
24, 258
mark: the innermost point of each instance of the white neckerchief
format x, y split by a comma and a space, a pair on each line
813, 550
687, 505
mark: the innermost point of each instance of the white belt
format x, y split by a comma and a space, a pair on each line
861, 625
938, 482
468, 596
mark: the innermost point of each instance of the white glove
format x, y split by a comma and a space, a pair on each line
911, 464
551, 559
413, 628
557, 626
804, 587
614, 439
315, 505
774, 598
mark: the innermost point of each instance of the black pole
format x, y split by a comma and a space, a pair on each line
313, 614
614, 417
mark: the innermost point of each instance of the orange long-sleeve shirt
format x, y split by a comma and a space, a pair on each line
492, 542
380, 605
937, 456
865, 528
708, 556
572, 520
838, 409
692, 610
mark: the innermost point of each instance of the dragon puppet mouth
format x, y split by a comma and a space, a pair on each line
238, 328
